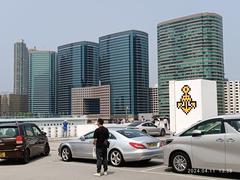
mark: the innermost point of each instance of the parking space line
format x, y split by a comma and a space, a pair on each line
150, 169
167, 174
186, 176
76, 164
147, 171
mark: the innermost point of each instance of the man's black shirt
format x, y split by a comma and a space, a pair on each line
101, 134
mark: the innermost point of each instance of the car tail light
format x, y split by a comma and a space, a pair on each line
162, 143
137, 145
19, 140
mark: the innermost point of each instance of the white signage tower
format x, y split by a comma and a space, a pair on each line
191, 101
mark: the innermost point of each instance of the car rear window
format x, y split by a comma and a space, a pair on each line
134, 124
8, 132
131, 133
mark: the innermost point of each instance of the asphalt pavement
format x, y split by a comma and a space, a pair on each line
53, 168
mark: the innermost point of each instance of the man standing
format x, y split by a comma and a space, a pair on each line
101, 136
65, 127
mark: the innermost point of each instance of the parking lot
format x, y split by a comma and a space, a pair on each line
51, 167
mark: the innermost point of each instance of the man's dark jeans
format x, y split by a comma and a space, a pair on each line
101, 154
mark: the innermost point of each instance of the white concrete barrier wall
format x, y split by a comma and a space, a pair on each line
83, 129
60, 131
73, 130
49, 131
57, 131
53, 132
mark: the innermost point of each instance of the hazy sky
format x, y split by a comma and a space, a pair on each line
47, 24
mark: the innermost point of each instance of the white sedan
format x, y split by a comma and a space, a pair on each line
213, 144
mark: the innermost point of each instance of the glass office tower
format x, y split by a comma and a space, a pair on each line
77, 67
190, 47
42, 82
124, 66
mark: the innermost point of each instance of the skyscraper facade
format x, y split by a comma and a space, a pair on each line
92, 101
124, 66
42, 82
13, 105
77, 67
153, 100
20, 68
190, 47
232, 97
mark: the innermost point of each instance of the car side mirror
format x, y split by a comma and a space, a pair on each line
44, 133
196, 133
82, 138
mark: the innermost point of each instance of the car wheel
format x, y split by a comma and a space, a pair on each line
180, 162
116, 158
66, 154
144, 131
26, 156
46, 150
163, 132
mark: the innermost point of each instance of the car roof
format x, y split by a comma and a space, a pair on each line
225, 117
229, 116
13, 124
141, 122
116, 128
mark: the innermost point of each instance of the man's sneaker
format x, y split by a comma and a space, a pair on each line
97, 174
105, 173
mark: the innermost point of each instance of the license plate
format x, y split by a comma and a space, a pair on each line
2, 155
152, 145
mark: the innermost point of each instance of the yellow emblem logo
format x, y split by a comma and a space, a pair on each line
186, 103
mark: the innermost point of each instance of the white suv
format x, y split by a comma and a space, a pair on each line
213, 144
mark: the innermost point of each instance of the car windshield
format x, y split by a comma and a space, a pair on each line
134, 124
131, 133
8, 132
208, 127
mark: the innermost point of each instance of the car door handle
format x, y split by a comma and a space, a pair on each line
219, 140
230, 140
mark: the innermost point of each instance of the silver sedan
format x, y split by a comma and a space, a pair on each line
125, 145
148, 128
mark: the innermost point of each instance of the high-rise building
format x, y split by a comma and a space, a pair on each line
153, 101
190, 47
92, 101
232, 97
20, 68
124, 66
77, 67
42, 82
13, 104
0, 105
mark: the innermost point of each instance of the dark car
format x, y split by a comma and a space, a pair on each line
22, 141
